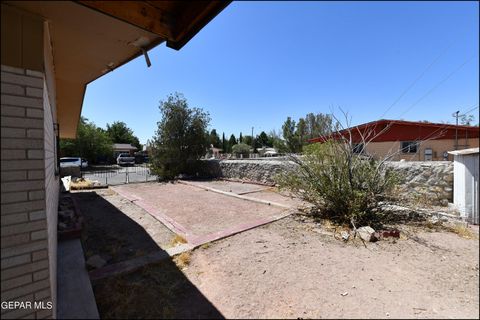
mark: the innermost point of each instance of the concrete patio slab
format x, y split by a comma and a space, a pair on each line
273, 196
230, 186
199, 215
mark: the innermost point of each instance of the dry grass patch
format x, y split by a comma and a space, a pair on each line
177, 239
81, 184
462, 230
183, 259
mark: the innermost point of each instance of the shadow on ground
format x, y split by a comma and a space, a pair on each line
159, 290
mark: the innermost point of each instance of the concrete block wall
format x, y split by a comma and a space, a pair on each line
25, 254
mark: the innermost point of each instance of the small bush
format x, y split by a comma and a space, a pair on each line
241, 149
342, 185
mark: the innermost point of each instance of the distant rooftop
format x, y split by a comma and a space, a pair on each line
400, 130
123, 146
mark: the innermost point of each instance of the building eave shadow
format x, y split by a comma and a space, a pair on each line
157, 291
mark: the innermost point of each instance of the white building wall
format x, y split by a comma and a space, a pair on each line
466, 193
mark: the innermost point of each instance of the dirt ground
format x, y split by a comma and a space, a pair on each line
291, 268
117, 229
288, 270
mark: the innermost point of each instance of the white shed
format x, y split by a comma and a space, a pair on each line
465, 183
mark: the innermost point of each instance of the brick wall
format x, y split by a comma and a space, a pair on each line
25, 254
51, 189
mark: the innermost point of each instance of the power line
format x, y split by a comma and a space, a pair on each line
437, 85
416, 80
446, 125
467, 112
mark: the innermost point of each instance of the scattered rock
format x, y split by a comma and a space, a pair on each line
434, 220
345, 235
95, 262
344, 294
367, 234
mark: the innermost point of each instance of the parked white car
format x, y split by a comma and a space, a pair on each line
73, 162
125, 159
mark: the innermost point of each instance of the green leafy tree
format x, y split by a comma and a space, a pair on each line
280, 146
301, 131
231, 142
214, 139
240, 139
241, 149
289, 134
180, 139
92, 143
224, 144
248, 140
120, 133
317, 125
263, 140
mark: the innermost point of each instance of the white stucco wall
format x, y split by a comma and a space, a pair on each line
466, 176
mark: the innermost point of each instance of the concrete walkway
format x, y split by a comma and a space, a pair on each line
74, 291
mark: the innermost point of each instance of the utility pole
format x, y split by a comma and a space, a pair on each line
455, 114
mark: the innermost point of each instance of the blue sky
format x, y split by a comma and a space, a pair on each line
258, 62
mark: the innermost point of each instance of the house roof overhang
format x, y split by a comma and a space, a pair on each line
92, 38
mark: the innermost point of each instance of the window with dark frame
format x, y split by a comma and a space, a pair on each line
409, 146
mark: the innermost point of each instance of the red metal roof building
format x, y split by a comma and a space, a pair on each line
409, 140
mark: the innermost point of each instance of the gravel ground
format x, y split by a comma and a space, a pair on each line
287, 270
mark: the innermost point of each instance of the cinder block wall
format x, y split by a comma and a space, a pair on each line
25, 254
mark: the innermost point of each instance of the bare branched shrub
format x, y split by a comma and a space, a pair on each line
340, 181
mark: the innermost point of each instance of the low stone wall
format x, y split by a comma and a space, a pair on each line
260, 171
430, 181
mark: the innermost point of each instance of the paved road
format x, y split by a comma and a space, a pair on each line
115, 175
